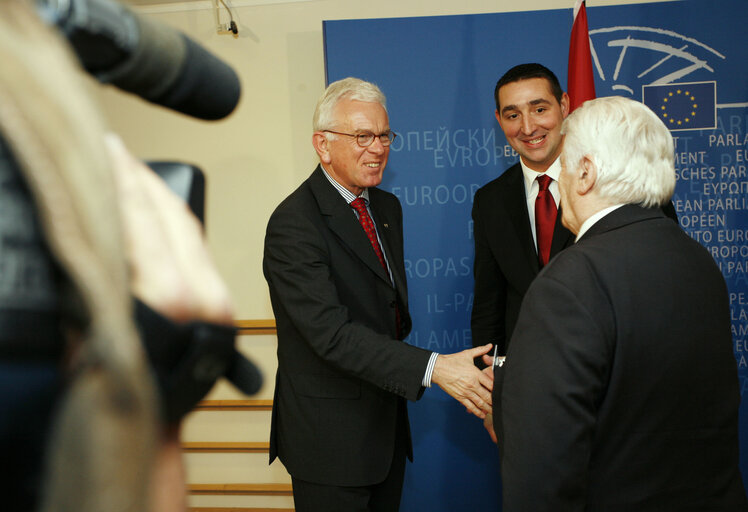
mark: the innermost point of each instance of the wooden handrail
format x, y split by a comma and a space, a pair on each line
255, 326
225, 447
234, 405
241, 489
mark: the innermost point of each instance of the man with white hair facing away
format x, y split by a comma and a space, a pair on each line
620, 388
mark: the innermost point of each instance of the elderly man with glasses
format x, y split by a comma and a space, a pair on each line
334, 265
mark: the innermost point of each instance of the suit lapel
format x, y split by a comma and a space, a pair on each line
342, 221
389, 238
515, 200
389, 226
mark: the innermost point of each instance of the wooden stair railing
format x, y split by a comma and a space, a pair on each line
225, 447
244, 327
255, 326
241, 489
234, 405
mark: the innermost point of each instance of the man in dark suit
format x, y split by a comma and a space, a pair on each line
619, 391
335, 268
530, 108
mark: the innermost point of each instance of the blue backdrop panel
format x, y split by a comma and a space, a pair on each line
439, 74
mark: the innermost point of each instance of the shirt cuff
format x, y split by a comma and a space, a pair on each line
429, 370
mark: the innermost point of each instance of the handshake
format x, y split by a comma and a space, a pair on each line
458, 376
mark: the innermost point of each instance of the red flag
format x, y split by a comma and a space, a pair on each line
581, 83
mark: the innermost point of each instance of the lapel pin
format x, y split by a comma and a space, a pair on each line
386, 225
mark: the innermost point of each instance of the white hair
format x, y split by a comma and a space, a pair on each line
631, 147
348, 88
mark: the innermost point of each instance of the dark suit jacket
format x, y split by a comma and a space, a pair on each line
620, 388
506, 260
342, 374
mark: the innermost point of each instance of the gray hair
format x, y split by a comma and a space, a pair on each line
347, 88
631, 147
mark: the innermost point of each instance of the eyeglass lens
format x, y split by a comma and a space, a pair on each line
365, 139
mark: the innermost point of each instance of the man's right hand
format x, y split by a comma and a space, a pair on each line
457, 375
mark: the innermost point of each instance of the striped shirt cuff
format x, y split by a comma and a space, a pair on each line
429, 370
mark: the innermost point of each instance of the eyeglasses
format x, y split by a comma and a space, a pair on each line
364, 139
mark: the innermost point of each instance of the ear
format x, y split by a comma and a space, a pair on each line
587, 175
322, 147
565, 102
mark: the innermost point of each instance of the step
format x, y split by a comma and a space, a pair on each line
243, 502
220, 467
228, 420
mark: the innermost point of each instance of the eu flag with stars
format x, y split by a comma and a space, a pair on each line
687, 106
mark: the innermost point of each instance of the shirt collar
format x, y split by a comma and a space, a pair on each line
344, 192
592, 219
554, 171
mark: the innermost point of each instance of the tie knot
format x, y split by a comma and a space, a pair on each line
544, 181
359, 204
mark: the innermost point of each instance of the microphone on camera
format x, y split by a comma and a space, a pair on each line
145, 57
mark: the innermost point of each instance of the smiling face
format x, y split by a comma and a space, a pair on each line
531, 119
352, 166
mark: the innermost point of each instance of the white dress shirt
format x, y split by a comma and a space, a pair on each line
592, 219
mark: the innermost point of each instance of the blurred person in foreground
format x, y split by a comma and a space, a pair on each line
82, 422
620, 389
334, 265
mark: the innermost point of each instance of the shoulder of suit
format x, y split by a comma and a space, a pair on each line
568, 266
494, 186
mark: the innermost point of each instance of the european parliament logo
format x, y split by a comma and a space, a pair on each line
685, 106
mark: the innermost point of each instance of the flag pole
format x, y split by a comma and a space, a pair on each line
581, 82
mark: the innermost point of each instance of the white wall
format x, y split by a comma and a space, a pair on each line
254, 158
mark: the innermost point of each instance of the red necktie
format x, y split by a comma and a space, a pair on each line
545, 219
368, 225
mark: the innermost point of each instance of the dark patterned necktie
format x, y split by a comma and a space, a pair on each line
545, 219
